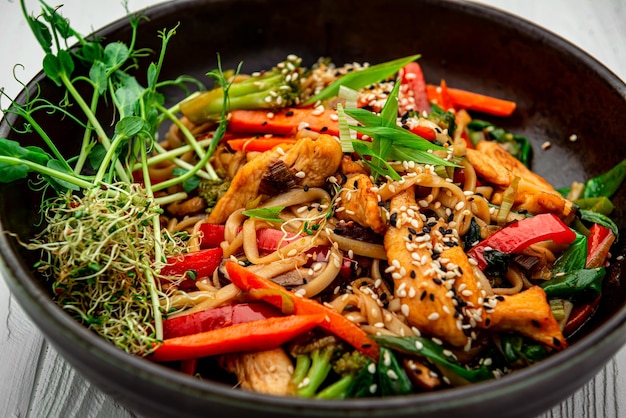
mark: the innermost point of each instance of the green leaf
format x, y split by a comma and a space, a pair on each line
402, 153
607, 183
60, 167
399, 136
265, 214
578, 286
98, 75
115, 55
598, 218
377, 164
434, 352
60, 24
91, 52
191, 183
10, 172
362, 78
130, 126
152, 76
572, 259
96, 156
128, 95
52, 68
66, 62
41, 32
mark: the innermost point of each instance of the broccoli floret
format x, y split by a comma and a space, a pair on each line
276, 88
326, 369
211, 191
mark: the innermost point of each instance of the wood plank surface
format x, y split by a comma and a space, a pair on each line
36, 382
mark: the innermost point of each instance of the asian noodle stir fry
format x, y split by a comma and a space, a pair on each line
325, 231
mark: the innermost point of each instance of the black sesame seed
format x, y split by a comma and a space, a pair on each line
355, 184
393, 218
324, 129
451, 217
413, 274
556, 341
500, 298
289, 113
450, 244
264, 123
412, 231
487, 322
423, 295
432, 297
536, 323
381, 203
437, 281
306, 188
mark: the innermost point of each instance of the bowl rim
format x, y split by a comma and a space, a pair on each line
41, 309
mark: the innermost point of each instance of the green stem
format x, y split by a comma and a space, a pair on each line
104, 138
190, 139
46, 139
108, 157
69, 178
158, 253
82, 157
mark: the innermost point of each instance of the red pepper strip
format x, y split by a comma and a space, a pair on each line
517, 236
259, 144
284, 122
203, 262
334, 322
189, 366
264, 334
215, 318
599, 243
414, 95
425, 132
580, 314
212, 235
463, 99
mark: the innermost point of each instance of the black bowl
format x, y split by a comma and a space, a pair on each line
560, 91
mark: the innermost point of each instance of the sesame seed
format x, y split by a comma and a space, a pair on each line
419, 345
404, 309
433, 316
546, 145
301, 174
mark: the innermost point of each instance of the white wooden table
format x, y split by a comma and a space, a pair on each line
36, 382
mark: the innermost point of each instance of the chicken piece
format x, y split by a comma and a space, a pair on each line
267, 371
527, 313
318, 158
360, 203
534, 194
349, 166
188, 207
423, 288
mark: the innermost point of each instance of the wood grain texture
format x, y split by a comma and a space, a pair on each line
36, 382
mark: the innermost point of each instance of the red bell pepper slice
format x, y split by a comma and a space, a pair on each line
212, 235
334, 322
215, 318
599, 243
579, 315
263, 334
515, 237
412, 77
203, 263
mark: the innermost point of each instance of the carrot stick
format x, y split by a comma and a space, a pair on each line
334, 322
263, 334
260, 144
463, 99
284, 122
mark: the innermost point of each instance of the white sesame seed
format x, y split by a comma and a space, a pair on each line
404, 309
433, 316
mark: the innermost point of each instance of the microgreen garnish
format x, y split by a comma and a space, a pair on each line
103, 246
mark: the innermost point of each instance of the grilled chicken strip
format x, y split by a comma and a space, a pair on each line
360, 203
317, 158
425, 291
534, 194
267, 371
